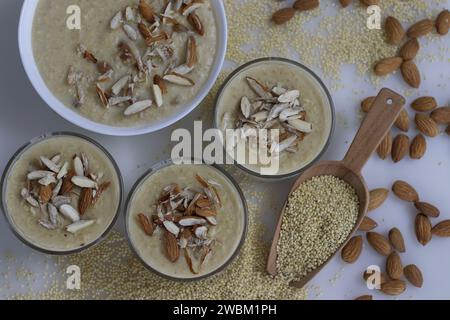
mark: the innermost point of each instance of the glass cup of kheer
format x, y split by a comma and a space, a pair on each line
61, 193
276, 95
186, 222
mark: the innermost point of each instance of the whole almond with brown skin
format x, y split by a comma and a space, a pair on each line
393, 287
442, 229
397, 240
387, 66
441, 115
146, 225
414, 275
367, 103
367, 275
370, 2
305, 5
424, 104
379, 243
400, 147
394, 266
345, 3
443, 22
85, 200
421, 28
411, 74
410, 49
45, 194
283, 15
364, 298
423, 229
418, 147
352, 250
394, 30
427, 209
172, 248
402, 121
377, 198
367, 224
385, 147
405, 191
426, 125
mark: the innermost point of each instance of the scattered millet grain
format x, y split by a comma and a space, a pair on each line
319, 217
111, 271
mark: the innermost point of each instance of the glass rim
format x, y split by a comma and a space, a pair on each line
4, 184
297, 172
167, 163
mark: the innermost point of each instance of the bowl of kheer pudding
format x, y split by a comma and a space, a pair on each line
61, 193
123, 67
278, 108
186, 222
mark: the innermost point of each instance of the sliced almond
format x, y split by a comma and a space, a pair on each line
205, 212
116, 20
130, 32
120, 84
102, 96
50, 164
189, 8
138, 107
161, 83
85, 200
172, 228
79, 226
192, 59
196, 23
147, 11
179, 79
157, 93
69, 212
84, 182
260, 89
190, 221
78, 166
37, 175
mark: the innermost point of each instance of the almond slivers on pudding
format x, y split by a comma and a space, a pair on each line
132, 63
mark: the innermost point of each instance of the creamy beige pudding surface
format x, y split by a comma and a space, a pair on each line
66, 58
33, 221
216, 246
304, 95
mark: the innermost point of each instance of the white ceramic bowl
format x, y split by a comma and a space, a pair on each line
26, 53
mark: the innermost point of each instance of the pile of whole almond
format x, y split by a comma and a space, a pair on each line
395, 34
394, 244
428, 118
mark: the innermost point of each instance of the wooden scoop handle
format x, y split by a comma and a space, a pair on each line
376, 125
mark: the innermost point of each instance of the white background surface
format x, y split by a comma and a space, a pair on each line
24, 115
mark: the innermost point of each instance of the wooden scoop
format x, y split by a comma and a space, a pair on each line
375, 126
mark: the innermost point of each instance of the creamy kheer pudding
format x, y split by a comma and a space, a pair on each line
276, 94
61, 193
132, 63
186, 221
